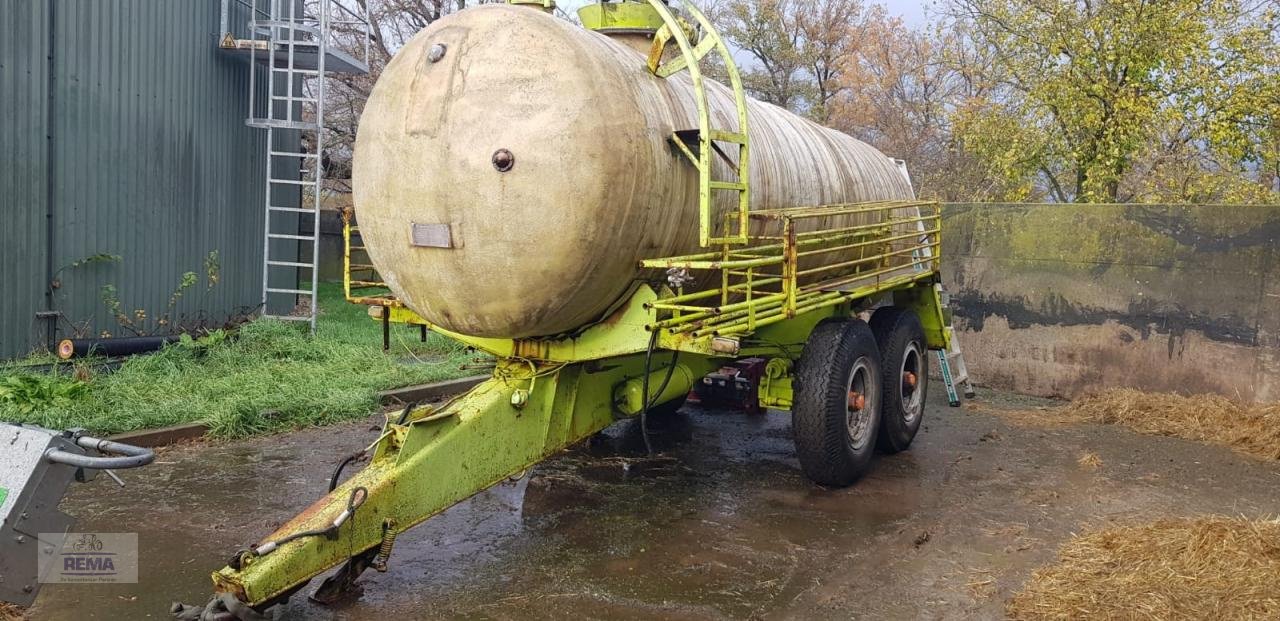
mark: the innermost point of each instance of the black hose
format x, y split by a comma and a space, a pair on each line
407, 409
337, 472
644, 394
644, 388
666, 381
333, 480
357, 498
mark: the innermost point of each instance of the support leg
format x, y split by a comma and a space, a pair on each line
386, 328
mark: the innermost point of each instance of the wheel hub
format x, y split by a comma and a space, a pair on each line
860, 406
910, 392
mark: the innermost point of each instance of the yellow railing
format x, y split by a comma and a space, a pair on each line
369, 290
800, 260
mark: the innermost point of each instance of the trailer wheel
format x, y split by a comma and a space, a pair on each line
904, 367
836, 408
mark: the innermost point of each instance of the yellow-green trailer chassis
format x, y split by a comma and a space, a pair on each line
547, 394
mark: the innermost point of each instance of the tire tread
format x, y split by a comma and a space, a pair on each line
818, 421
894, 327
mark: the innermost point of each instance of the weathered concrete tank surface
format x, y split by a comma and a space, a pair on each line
592, 185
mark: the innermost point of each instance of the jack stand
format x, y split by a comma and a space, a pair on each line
342, 584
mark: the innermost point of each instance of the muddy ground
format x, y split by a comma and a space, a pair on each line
730, 529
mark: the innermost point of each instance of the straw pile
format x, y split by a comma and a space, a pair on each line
9, 612
1090, 461
1250, 429
1204, 568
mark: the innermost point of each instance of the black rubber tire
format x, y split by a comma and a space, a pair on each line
898, 331
820, 414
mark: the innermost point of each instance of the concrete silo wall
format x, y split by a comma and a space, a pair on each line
1065, 300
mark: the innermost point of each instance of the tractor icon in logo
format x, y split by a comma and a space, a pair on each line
88, 542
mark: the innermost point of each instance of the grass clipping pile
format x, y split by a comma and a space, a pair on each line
1204, 568
1250, 429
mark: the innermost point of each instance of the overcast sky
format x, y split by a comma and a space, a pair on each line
911, 11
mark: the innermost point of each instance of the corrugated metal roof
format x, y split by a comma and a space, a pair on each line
151, 161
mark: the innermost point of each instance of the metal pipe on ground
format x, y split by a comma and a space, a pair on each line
125, 455
112, 347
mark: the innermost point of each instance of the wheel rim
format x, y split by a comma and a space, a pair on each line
860, 407
910, 393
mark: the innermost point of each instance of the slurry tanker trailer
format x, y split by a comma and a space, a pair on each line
585, 205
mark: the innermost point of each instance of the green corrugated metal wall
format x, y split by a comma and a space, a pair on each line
122, 132
24, 30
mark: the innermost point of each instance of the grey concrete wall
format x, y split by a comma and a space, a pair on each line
1065, 300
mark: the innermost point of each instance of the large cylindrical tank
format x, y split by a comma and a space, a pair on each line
593, 185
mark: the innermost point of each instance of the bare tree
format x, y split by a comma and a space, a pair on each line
831, 32
771, 35
391, 24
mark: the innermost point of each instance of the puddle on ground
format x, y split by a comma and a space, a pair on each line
723, 525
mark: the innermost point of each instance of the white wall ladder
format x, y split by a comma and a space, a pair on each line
296, 43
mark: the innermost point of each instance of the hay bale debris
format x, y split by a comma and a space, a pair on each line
1171, 569
9, 612
1253, 429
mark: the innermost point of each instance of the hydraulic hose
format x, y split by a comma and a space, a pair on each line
644, 388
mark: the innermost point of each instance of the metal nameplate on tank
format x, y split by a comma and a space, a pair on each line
431, 235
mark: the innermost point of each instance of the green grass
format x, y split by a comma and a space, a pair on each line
271, 377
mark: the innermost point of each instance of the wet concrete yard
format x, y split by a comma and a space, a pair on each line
726, 528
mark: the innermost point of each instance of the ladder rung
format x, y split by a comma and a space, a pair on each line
282, 24
282, 61
293, 291
286, 236
291, 264
728, 185
290, 154
292, 181
291, 209
282, 124
288, 317
362, 266
298, 99
723, 136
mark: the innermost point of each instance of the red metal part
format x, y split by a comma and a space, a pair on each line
735, 386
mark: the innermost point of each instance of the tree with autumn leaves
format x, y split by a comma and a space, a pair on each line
1060, 100
1125, 100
